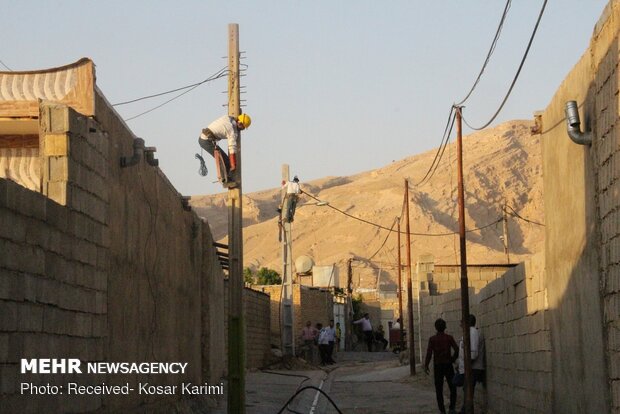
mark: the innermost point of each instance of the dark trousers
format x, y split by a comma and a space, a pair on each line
446, 371
209, 146
368, 337
324, 352
478, 375
330, 352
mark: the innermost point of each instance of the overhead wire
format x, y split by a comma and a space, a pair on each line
515, 214
4, 64
384, 241
448, 131
172, 90
402, 232
489, 53
514, 80
220, 74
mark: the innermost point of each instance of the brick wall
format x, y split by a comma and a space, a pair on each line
512, 314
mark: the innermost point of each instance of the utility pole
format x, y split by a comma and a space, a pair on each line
469, 390
236, 334
349, 314
505, 238
400, 292
409, 283
286, 301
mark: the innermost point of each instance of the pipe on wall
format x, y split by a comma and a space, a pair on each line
573, 125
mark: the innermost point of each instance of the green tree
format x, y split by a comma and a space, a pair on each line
267, 276
248, 276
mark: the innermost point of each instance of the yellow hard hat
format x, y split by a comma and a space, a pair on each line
245, 120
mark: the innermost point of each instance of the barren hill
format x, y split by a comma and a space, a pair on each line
503, 163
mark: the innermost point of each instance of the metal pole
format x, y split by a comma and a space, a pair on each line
409, 287
400, 293
236, 334
469, 390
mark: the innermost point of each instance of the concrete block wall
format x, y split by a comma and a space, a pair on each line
257, 314
444, 278
104, 265
512, 314
582, 198
53, 295
606, 148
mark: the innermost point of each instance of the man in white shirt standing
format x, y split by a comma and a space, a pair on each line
477, 355
227, 128
367, 329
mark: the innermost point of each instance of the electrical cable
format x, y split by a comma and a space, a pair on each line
307, 378
449, 124
384, 241
514, 81
3, 64
515, 214
313, 388
402, 232
221, 75
490, 52
172, 90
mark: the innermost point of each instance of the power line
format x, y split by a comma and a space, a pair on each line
449, 125
515, 214
491, 50
211, 78
402, 232
514, 81
3, 64
172, 90
384, 241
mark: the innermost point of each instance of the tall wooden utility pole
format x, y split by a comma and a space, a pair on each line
400, 292
469, 390
236, 335
286, 301
409, 284
505, 238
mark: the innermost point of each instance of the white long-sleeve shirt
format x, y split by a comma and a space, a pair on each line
292, 187
477, 350
366, 326
225, 127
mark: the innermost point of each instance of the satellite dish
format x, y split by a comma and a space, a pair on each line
304, 264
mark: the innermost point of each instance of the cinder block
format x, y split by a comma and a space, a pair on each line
12, 226
55, 145
29, 317
8, 316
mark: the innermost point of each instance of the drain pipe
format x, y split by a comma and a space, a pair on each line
150, 156
573, 125
138, 152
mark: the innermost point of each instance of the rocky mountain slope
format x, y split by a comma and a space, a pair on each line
502, 164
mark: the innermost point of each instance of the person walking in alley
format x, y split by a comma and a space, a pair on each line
323, 341
367, 329
308, 336
477, 355
227, 128
440, 348
380, 336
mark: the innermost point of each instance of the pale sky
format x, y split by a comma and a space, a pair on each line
333, 87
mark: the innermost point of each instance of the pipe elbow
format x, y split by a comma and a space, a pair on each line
138, 152
573, 125
150, 156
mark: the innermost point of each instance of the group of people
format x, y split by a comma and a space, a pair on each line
326, 338
371, 336
442, 348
